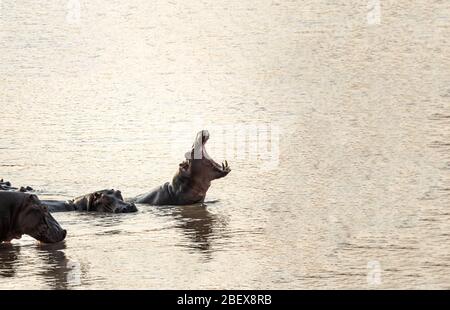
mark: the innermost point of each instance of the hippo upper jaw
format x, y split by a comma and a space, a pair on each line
199, 164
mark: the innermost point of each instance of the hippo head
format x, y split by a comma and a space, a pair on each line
36, 221
199, 165
109, 201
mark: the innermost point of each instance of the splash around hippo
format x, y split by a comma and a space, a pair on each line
192, 180
22, 213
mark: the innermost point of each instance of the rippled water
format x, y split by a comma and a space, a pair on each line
111, 96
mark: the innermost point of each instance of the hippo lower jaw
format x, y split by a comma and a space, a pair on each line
54, 240
50, 237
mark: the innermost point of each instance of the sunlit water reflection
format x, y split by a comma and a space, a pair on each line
358, 199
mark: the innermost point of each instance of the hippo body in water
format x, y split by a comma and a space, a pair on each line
107, 200
6, 186
192, 180
22, 213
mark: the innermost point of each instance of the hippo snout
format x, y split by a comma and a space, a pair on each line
127, 208
53, 232
55, 237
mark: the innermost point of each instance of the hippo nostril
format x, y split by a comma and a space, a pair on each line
64, 233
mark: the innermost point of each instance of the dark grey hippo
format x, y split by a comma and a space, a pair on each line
107, 200
6, 186
23, 213
192, 180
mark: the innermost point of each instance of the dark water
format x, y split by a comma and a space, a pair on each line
339, 118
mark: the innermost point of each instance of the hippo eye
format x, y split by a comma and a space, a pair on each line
97, 196
33, 198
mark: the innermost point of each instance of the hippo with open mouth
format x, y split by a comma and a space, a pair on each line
107, 200
192, 180
22, 213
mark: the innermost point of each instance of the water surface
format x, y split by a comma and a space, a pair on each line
112, 97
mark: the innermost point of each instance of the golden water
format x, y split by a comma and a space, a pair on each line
359, 198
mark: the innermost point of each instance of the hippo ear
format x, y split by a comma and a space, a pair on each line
90, 200
32, 198
118, 194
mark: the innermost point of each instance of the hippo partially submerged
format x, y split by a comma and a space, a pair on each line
192, 180
107, 200
22, 213
6, 186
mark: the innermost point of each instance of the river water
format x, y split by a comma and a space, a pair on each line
333, 115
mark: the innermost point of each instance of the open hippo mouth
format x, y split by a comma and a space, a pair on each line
199, 152
192, 179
